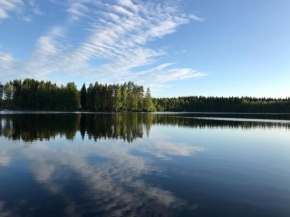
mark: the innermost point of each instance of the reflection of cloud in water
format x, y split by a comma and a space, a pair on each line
241, 119
5, 212
4, 160
114, 185
163, 149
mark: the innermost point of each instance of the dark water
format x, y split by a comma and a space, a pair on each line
172, 164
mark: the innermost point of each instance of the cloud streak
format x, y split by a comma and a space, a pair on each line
118, 32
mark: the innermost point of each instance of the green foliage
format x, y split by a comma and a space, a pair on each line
8, 91
148, 103
223, 104
117, 97
124, 90
1, 94
84, 97
72, 97
34, 95
126, 97
30, 94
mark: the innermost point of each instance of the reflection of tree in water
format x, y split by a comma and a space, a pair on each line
29, 127
124, 126
119, 126
192, 122
85, 187
116, 186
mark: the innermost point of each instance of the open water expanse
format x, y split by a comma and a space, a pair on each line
140, 164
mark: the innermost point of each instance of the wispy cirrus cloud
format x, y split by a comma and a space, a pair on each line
162, 73
22, 9
196, 18
5, 60
9, 6
35, 7
117, 31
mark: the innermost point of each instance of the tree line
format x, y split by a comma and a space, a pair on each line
223, 104
31, 94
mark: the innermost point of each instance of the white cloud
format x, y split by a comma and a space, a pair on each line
121, 10
157, 68
47, 44
196, 18
7, 6
35, 8
77, 10
128, 4
6, 61
22, 8
119, 32
158, 76
26, 18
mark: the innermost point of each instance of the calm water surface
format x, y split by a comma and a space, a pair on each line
133, 164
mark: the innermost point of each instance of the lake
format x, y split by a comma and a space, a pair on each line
140, 164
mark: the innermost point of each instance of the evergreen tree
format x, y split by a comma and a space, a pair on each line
97, 97
8, 91
90, 97
72, 96
117, 98
124, 97
110, 98
34, 95
132, 103
140, 96
41, 97
84, 96
17, 100
103, 90
148, 103
1, 95
8, 95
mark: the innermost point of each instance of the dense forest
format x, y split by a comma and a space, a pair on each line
223, 104
39, 95
34, 95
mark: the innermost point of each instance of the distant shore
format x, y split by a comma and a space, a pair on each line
33, 95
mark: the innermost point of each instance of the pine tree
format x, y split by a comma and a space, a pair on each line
84, 96
8, 91
90, 97
97, 97
148, 104
124, 97
110, 98
73, 97
1, 95
117, 98
140, 95
17, 98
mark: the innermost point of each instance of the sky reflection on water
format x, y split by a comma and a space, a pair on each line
142, 165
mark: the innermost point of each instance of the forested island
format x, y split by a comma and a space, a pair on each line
31, 94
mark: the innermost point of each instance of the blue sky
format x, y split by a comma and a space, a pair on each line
177, 48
